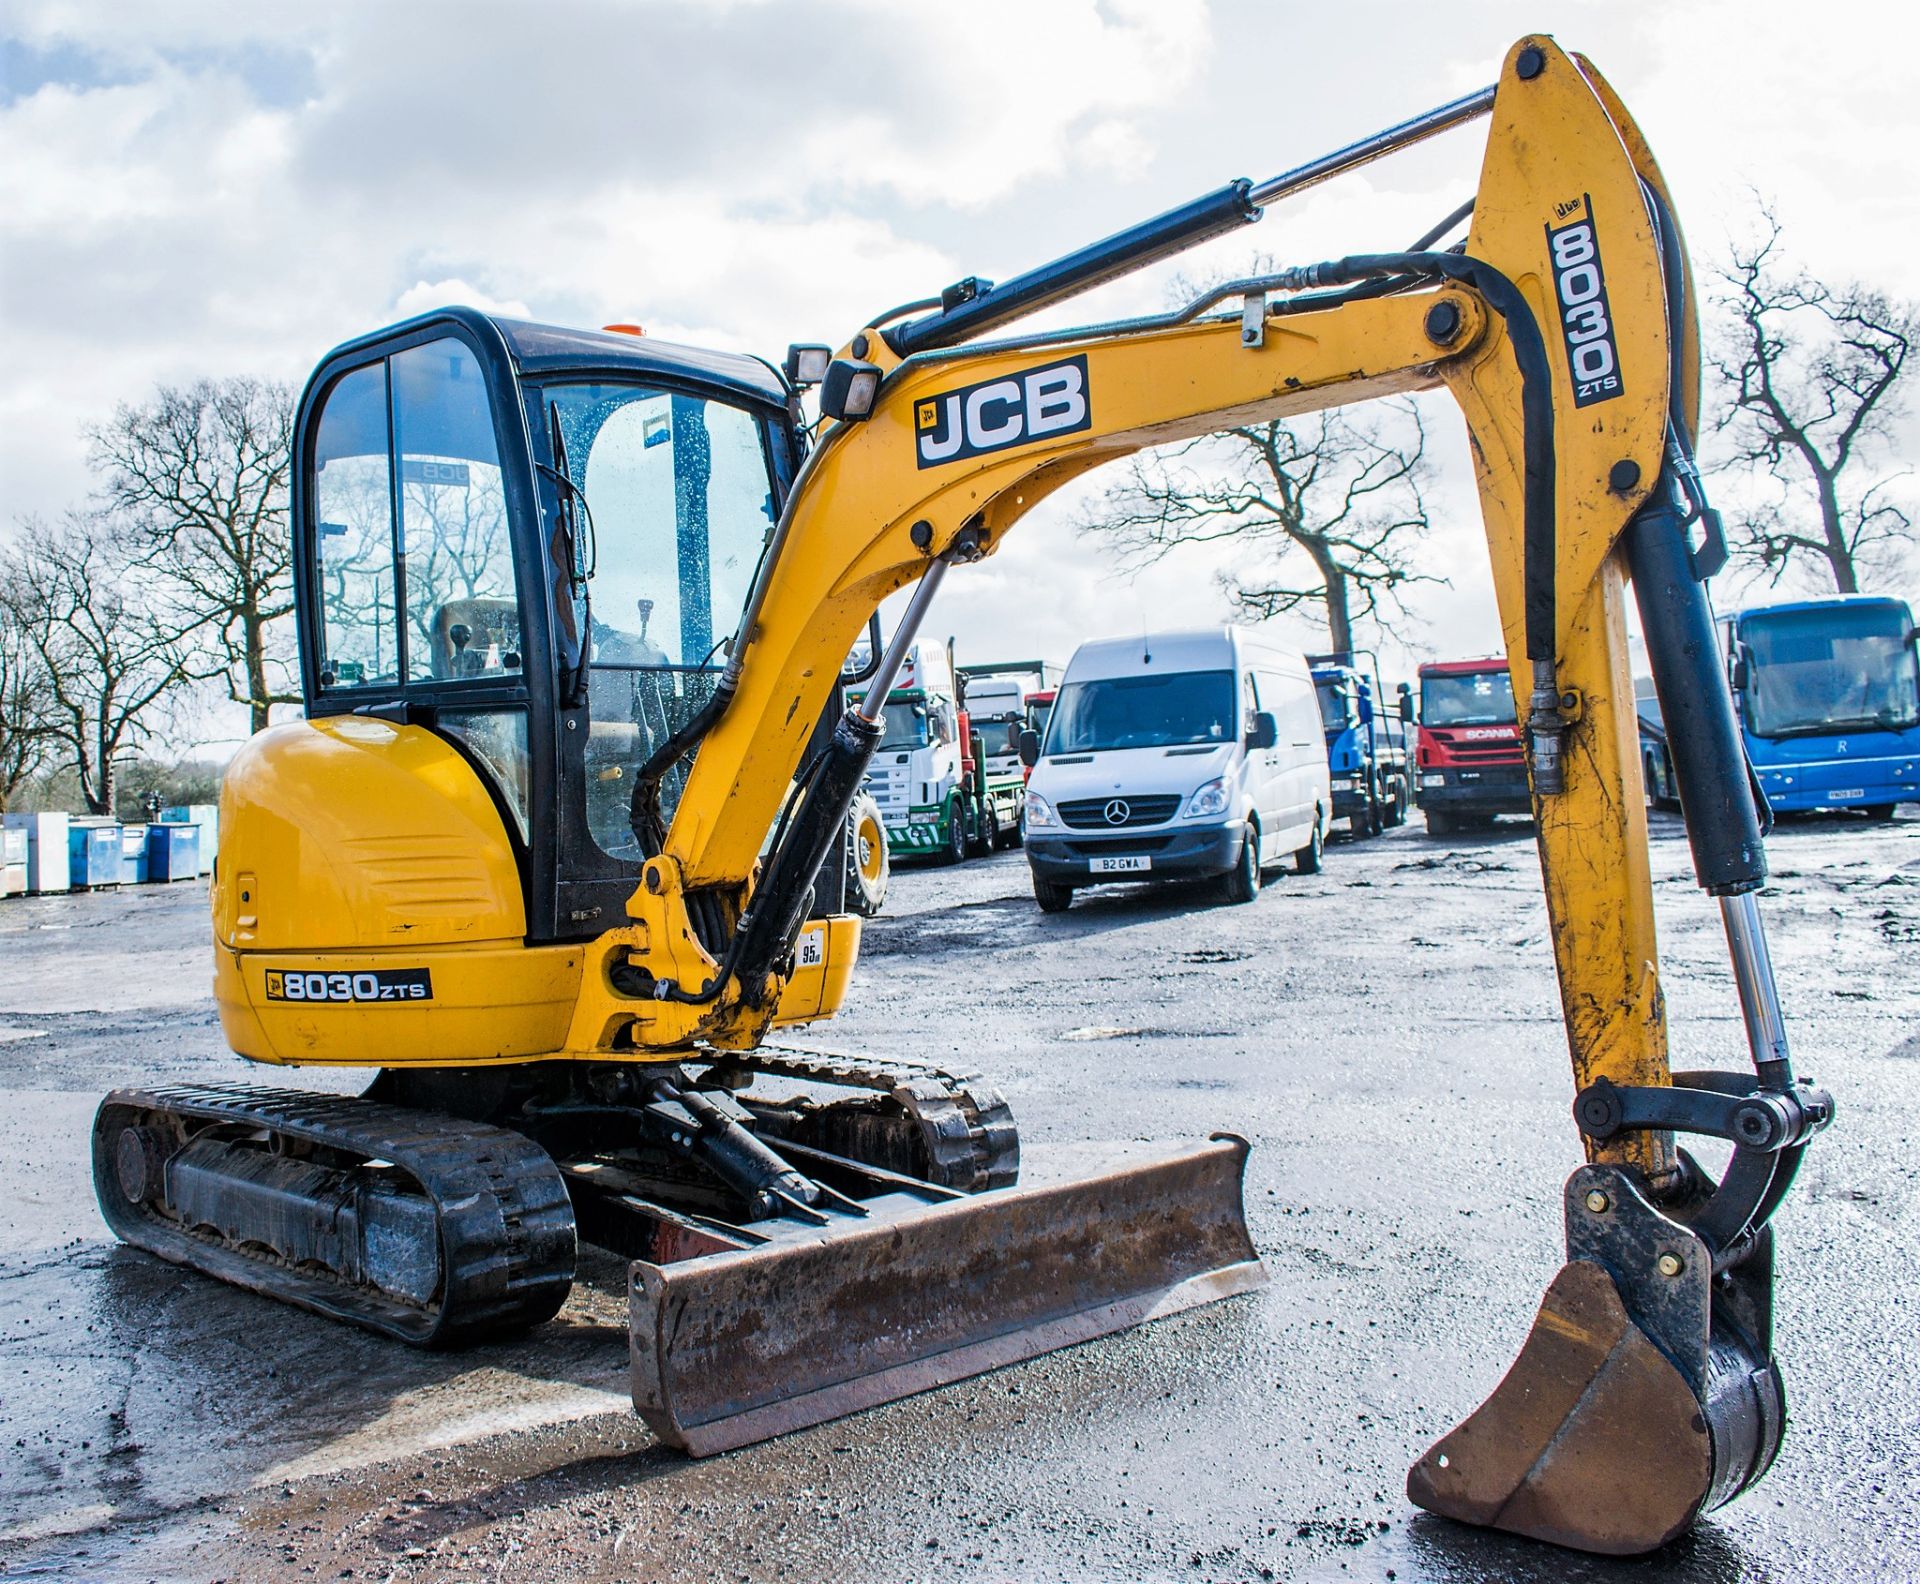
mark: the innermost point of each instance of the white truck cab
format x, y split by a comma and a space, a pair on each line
1176, 755
997, 709
916, 773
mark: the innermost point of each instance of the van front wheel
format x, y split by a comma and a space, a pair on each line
1052, 897
1241, 883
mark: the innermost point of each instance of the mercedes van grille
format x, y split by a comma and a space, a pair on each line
1099, 813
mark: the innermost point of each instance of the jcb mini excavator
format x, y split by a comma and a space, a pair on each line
547, 849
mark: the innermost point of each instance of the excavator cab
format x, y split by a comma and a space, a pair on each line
535, 543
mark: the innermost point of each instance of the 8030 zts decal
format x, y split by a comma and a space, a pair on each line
387, 984
1585, 320
1014, 410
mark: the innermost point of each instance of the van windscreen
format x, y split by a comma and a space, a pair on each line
1164, 711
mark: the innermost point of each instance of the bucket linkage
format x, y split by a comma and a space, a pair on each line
1647, 1392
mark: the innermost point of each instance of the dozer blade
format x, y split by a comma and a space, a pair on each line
734, 1347
1601, 1437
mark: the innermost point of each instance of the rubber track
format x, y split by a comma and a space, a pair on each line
967, 1123
507, 1238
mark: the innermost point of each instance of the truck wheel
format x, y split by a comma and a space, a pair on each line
1241, 883
1880, 813
868, 865
1052, 897
986, 834
957, 846
1441, 823
1307, 859
1397, 806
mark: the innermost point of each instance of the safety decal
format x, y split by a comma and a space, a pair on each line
1585, 320
1015, 409
387, 984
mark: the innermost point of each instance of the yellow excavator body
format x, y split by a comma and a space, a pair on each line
552, 849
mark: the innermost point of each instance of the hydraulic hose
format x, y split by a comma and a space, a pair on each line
1546, 727
643, 810
1536, 404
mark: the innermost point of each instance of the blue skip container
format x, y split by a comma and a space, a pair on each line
173, 852
133, 854
93, 855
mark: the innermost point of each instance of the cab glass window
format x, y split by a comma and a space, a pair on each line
679, 496
463, 615
359, 641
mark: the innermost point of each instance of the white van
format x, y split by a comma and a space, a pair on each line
1174, 755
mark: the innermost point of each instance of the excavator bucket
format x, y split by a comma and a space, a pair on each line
1642, 1396
739, 1344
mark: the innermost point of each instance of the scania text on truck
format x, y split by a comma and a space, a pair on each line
1173, 756
1828, 693
1368, 755
1470, 753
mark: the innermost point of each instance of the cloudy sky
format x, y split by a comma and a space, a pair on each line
201, 187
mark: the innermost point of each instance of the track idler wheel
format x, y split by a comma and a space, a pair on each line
1644, 1395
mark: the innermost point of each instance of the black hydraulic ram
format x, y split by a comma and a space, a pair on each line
1709, 762
973, 308
1669, 586
1718, 799
772, 922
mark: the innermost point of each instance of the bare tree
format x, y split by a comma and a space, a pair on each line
1330, 510
107, 656
1810, 374
203, 472
26, 707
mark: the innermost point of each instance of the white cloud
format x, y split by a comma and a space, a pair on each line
452, 293
214, 190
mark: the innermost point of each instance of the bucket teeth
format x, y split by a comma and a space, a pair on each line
735, 1347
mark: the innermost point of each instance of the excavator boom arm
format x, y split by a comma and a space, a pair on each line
1565, 331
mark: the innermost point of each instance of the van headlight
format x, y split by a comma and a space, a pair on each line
1210, 799
1039, 811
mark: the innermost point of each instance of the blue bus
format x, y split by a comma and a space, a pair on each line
1828, 693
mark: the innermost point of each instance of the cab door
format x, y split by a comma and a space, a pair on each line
411, 584
1295, 708
1263, 785
674, 493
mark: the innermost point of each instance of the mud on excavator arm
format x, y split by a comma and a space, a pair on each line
1566, 332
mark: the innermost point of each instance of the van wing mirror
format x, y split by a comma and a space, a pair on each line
1266, 730
1029, 748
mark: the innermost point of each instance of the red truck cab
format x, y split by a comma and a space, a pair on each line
1039, 707
1470, 761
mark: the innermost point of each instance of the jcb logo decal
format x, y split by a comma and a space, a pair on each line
1581, 291
1020, 408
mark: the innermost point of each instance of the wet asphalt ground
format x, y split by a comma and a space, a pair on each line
1388, 1035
